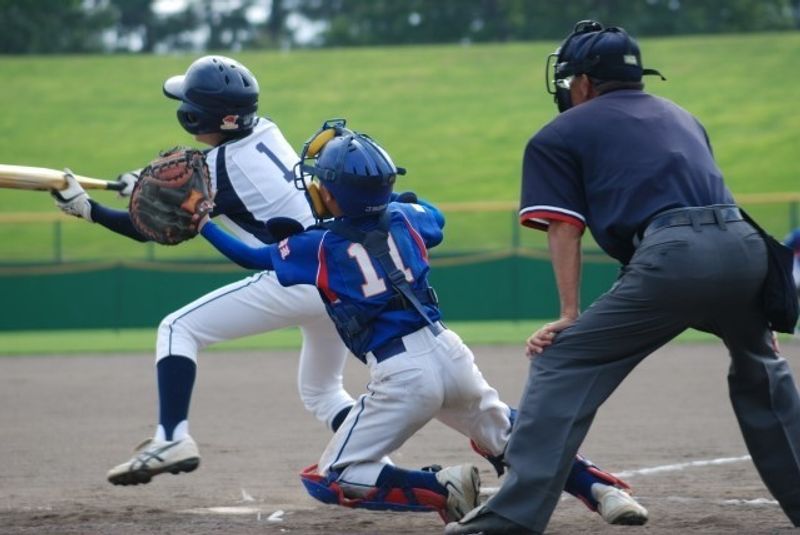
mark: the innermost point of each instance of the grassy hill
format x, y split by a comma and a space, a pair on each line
456, 116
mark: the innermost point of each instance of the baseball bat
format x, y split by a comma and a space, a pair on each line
42, 178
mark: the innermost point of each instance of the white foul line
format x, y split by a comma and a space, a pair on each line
682, 466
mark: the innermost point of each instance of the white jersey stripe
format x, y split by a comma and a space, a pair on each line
547, 208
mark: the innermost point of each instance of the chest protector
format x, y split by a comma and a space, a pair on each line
355, 325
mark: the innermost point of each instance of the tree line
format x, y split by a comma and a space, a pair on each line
91, 26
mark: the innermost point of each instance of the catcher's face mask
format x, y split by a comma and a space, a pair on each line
352, 167
305, 174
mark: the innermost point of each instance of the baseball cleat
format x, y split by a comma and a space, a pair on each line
618, 507
155, 457
463, 488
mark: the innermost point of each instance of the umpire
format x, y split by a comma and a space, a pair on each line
638, 171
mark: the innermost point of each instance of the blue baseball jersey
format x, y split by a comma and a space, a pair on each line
344, 272
613, 162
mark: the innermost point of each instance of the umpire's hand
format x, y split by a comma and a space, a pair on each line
542, 338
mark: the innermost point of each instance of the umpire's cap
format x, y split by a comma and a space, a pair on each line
605, 54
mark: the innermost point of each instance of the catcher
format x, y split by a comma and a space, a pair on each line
370, 264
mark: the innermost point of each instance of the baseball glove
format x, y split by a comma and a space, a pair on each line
171, 190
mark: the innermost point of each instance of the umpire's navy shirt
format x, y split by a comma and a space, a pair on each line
613, 162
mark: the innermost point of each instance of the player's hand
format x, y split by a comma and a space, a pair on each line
73, 200
544, 337
129, 179
200, 219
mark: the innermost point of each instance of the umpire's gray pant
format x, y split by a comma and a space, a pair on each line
678, 278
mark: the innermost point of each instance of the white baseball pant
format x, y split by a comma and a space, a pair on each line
260, 304
436, 377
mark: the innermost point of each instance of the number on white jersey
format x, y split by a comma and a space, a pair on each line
288, 175
373, 284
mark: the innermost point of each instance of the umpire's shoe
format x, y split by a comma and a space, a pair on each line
463, 486
154, 457
482, 521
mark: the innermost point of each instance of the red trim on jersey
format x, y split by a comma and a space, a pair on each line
528, 219
417, 238
322, 274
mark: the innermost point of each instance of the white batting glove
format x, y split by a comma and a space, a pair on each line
129, 179
73, 200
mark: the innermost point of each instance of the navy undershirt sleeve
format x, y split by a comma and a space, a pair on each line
244, 255
118, 221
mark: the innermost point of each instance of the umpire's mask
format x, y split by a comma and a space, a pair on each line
604, 54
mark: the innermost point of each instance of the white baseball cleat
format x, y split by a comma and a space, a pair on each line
155, 457
617, 506
463, 486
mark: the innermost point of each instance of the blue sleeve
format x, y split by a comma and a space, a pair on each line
426, 219
435, 212
244, 255
297, 259
409, 197
118, 221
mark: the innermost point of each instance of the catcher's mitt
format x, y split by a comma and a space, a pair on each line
170, 190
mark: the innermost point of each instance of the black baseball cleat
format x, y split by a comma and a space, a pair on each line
482, 521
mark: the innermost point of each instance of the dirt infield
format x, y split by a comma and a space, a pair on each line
65, 420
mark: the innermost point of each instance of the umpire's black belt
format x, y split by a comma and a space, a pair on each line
696, 216
395, 346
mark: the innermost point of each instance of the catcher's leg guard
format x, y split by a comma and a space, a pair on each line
395, 490
583, 475
497, 461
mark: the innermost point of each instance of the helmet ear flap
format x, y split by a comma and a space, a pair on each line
329, 130
318, 206
315, 144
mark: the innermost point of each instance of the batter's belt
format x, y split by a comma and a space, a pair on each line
718, 214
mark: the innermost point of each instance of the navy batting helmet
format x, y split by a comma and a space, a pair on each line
353, 167
217, 94
603, 54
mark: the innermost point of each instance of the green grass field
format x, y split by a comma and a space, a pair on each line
143, 340
456, 116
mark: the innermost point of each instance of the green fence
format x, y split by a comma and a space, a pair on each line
138, 294
55, 272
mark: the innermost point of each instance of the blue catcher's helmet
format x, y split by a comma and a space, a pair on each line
352, 166
217, 94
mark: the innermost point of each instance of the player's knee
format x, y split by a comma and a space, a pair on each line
174, 338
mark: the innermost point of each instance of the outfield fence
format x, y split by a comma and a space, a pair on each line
57, 272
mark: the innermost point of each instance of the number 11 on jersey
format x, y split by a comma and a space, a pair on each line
373, 284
